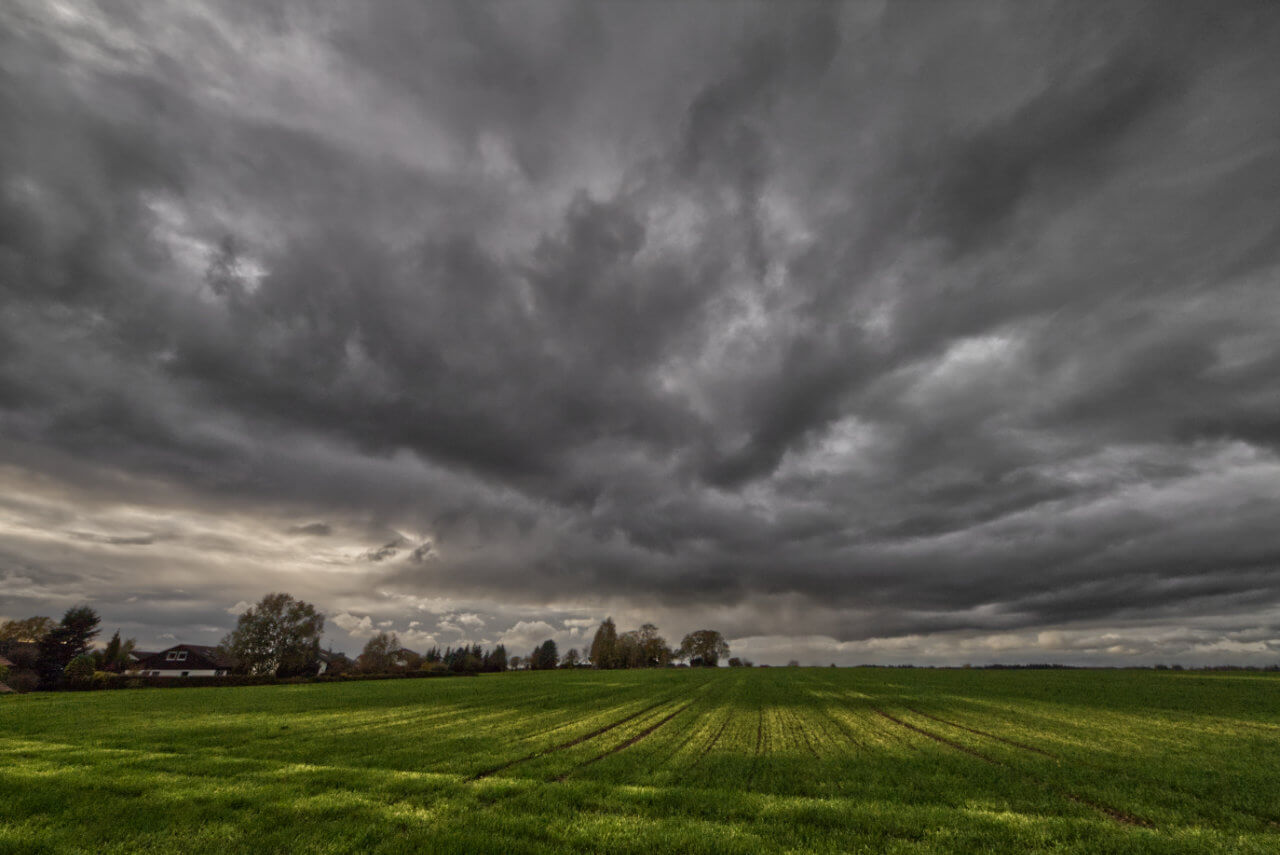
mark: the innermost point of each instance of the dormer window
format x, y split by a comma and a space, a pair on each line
176, 656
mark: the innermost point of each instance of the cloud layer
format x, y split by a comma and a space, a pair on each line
871, 332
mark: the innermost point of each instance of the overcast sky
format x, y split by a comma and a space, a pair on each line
909, 332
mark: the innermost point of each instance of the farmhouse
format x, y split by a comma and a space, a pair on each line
186, 660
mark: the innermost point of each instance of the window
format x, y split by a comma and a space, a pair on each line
186, 673
176, 656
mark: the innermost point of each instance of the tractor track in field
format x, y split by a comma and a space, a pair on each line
936, 738
706, 749
892, 733
755, 757
798, 724
974, 730
1165, 786
1115, 814
693, 731
569, 744
844, 729
624, 744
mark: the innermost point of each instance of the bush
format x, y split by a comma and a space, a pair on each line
80, 668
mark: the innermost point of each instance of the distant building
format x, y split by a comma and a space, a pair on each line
185, 660
331, 662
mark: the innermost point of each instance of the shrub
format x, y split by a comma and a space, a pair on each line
80, 668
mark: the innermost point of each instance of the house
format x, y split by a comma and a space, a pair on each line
186, 660
333, 663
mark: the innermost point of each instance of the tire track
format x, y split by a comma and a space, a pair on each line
798, 724
1168, 788
936, 738
625, 744
755, 758
1120, 816
563, 745
706, 749
693, 732
1012, 742
844, 729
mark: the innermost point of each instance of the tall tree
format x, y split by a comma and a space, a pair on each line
653, 647
704, 647
115, 656
496, 659
64, 642
571, 658
280, 636
379, 654
545, 656
604, 647
28, 630
630, 655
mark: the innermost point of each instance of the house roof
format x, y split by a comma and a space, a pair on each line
199, 657
333, 656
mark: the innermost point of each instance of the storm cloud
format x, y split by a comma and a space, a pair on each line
859, 331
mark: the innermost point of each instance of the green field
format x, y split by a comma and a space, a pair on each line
776, 760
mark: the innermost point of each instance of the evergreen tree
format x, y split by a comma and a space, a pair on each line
604, 647
545, 656
496, 660
64, 642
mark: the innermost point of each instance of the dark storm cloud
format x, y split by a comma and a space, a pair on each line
806, 318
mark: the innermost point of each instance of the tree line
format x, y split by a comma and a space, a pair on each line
280, 637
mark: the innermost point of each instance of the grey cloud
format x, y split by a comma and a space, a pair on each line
115, 540
873, 322
315, 529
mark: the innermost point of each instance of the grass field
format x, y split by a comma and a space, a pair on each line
776, 760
